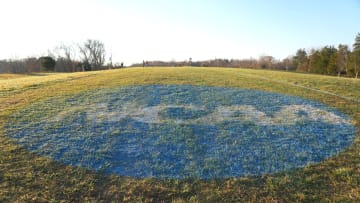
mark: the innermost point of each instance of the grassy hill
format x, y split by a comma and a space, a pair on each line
25, 176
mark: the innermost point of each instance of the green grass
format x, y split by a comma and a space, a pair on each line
30, 178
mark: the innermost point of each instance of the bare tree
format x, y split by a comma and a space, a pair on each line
32, 64
66, 58
110, 65
266, 62
93, 53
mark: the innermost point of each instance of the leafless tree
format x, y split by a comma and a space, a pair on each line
66, 58
266, 62
93, 53
110, 64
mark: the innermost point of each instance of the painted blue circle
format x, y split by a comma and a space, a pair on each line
182, 131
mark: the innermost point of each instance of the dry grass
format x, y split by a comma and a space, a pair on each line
30, 178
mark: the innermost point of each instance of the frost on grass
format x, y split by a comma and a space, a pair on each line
180, 114
181, 131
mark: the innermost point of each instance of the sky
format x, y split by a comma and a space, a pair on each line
137, 30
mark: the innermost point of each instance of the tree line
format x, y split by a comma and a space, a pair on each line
90, 55
87, 56
328, 60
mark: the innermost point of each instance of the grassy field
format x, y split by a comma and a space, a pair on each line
27, 177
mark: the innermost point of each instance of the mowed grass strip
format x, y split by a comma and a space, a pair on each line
27, 177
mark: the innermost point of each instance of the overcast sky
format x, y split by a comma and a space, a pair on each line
136, 30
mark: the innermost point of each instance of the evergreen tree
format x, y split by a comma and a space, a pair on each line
356, 56
325, 55
300, 60
353, 64
47, 63
332, 66
314, 61
356, 45
342, 59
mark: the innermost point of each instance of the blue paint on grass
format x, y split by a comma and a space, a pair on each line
182, 131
